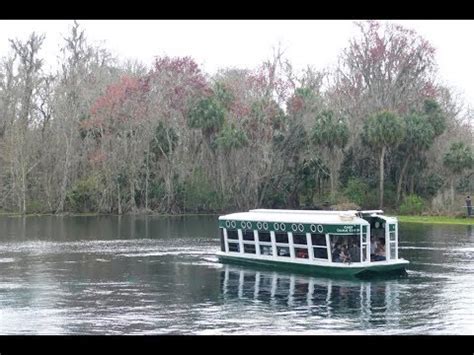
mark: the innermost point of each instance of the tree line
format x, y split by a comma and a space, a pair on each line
102, 135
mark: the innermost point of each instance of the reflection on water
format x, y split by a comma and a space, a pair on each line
369, 302
75, 228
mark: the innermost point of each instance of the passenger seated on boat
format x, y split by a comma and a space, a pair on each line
283, 252
380, 251
382, 245
354, 252
344, 256
336, 254
302, 254
373, 247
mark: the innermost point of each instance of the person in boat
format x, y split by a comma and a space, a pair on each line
373, 247
354, 251
344, 256
380, 251
284, 252
382, 246
336, 253
302, 254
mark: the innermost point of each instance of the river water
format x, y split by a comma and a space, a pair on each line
159, 275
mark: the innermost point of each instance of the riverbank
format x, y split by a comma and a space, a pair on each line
436, 220
404, 219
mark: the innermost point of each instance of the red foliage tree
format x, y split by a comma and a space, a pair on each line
389, 67
175, 84
122, 106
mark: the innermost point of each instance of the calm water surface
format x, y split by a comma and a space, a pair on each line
159, 275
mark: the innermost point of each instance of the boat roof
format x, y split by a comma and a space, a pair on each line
300, 216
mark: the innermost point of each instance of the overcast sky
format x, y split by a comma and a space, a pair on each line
246, 43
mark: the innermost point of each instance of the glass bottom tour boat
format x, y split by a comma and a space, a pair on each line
346, 243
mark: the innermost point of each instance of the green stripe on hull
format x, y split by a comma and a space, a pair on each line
292, 227
374, 270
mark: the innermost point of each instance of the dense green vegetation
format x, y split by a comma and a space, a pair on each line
104, 136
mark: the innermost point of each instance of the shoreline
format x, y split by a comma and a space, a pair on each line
436, 220
401, 218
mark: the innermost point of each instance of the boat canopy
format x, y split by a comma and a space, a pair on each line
298, 216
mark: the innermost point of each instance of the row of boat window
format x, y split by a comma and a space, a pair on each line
318, 242
302, 253
316, 239
345, 248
